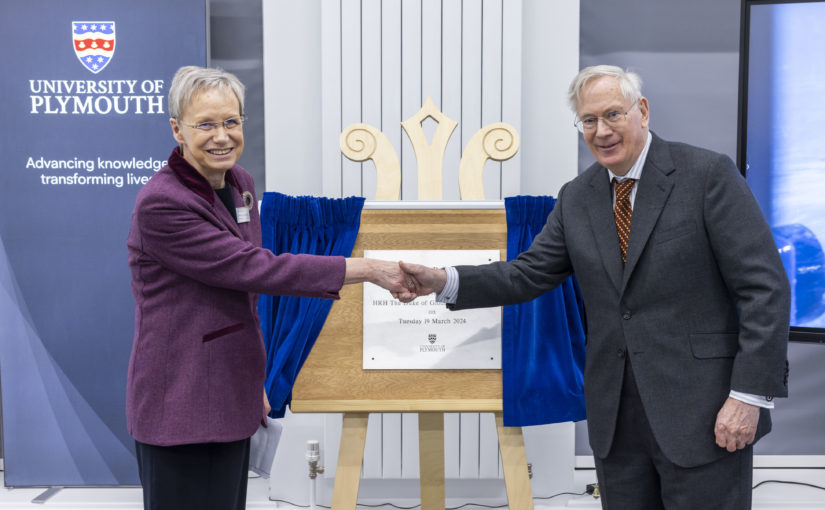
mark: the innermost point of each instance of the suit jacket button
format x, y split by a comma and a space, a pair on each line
620, 352
626, 316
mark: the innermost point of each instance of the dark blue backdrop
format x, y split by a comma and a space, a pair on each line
65, 303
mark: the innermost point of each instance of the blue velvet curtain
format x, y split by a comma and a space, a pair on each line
290, 325
542, 344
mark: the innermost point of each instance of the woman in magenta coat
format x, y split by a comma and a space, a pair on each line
197, 368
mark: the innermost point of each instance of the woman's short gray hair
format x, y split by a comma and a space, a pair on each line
629, 82
190, 80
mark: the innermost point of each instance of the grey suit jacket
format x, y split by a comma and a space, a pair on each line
701, 306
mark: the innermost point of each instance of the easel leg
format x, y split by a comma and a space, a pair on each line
514, 463
350, 459
431, 460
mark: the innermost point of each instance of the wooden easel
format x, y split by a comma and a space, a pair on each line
431, 460
333, 380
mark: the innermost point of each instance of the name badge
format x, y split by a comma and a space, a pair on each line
243, 212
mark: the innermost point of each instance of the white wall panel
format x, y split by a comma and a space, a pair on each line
452, 431
292, 128
431, 68
391, 452
511, 83
468, 459
371, 83
550, 52
409, 446
391, 84
410, 33
351, 90
333, 425
330, 25
471, 78
491, 80
451, 91
488, 452
431, 50
373, 456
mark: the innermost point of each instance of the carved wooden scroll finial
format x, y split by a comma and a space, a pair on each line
360, 142
498, 141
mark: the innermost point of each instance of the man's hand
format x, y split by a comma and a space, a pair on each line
390, 276
736, 424
425, 280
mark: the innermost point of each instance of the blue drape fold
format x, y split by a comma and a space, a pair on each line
542, 344
290, 325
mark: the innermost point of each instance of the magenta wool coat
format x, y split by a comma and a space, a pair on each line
196, 372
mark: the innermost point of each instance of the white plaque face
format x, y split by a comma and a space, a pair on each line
423, 334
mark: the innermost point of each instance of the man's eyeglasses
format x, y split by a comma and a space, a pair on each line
227, 124
612, 119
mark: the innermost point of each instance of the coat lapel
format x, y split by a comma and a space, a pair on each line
226, 217
651, 196
600, 209
198, 185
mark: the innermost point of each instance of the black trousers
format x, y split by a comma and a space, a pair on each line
637, 475
206, 476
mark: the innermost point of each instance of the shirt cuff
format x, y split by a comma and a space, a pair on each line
449, 293
754, 400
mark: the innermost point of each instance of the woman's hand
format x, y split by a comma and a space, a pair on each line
383, 273
267, 407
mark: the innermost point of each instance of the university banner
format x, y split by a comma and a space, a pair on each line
85, 125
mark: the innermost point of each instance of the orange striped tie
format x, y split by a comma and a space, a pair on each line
622, 212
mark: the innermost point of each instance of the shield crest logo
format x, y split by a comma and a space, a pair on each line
94, 43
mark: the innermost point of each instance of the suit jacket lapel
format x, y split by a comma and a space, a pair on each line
600, 209
653, 191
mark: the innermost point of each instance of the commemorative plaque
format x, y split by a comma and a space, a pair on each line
424, 334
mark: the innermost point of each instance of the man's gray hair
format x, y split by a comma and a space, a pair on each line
629, 82
190, 80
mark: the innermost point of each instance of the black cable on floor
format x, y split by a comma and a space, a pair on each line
790, 483
562, 494
419, 506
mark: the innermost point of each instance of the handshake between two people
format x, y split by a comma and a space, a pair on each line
405, 281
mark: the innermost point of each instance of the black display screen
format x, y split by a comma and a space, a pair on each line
781, 144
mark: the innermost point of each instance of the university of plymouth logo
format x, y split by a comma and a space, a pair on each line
94, 43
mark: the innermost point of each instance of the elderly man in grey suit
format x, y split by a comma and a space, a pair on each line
686, 297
